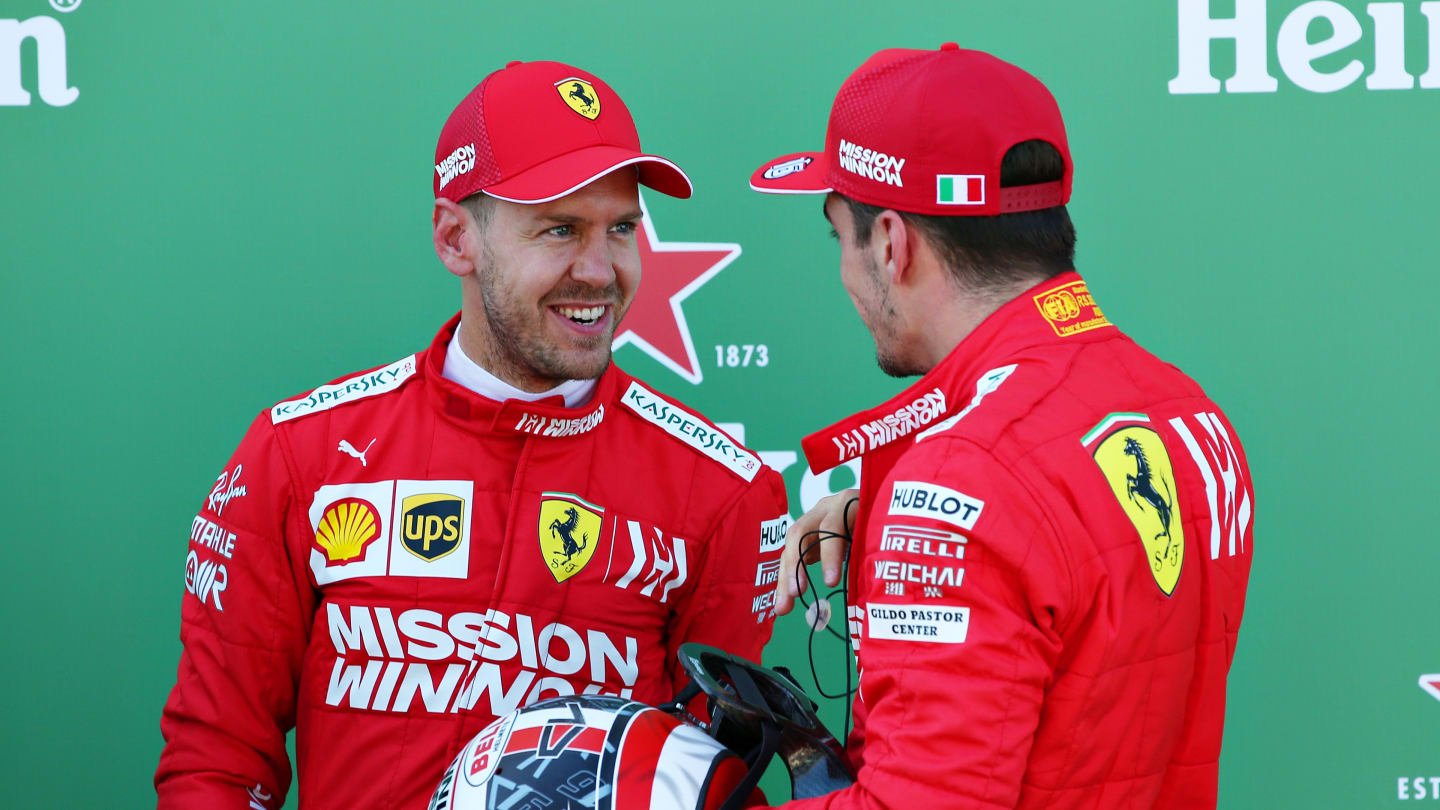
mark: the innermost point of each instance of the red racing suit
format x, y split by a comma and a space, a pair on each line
1049, 572
391, 561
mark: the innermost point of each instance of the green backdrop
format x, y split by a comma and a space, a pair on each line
234, 208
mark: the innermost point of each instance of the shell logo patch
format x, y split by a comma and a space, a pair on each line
568, 531
580, 96
1070, 309
1138, 469
347, 529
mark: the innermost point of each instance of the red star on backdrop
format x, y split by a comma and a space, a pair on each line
1431, 684
672, 271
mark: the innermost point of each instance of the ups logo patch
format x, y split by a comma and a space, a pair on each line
568, 531
430, 524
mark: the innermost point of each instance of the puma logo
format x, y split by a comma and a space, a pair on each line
349, 449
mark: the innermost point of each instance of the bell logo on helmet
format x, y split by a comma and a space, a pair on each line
482, 756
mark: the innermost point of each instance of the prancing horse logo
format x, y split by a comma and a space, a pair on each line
566, 532
1138, 471
568, 529
1143, 484
580, 96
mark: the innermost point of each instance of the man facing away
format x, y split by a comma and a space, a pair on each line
1053, 533
393, 559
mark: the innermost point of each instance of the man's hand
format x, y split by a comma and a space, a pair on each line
829, 515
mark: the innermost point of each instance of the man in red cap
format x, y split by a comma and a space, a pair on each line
1053, 531
393, 559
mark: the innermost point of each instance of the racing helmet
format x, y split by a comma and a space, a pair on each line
593, 752
596, 752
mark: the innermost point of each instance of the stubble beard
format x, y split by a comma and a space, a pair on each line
522, 349
882, 320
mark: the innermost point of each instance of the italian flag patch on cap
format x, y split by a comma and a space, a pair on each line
960, 189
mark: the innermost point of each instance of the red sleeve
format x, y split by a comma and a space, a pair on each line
244, 619
959, 637
732, 606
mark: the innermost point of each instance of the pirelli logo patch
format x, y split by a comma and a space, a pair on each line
691, 429
369, 384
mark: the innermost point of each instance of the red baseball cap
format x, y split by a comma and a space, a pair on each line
533, 132
924, 132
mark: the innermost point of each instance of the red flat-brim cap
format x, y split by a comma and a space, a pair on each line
572, 171
800, 173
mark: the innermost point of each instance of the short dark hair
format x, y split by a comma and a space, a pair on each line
480, 205
987, 252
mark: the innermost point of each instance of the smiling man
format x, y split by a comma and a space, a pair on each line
393, 559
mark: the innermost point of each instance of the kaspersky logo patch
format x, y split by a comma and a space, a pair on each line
1138, 470
580, 96
655, 323
569, 529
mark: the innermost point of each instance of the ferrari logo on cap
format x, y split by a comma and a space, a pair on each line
581, 97
569, 528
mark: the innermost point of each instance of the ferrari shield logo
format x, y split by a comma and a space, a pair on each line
1138, 469
581, 97
569, 529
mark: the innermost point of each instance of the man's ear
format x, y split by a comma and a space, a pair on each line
894, 245
455, 238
